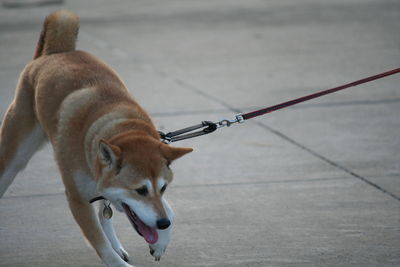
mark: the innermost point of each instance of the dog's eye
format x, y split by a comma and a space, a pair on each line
142, 191
163, 188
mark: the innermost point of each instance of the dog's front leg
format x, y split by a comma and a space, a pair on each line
87, 220
164, 236
158, 249
108, 229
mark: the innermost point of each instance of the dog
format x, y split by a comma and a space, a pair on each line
105, 144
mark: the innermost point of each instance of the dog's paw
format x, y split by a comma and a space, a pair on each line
123, 254
157, 252
158, 249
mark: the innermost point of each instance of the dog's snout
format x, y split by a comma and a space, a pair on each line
163, 223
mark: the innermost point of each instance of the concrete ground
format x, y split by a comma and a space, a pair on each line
313, 185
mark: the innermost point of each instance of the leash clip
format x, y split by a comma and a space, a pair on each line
226, 123
205, 126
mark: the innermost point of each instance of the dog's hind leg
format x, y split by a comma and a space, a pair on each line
20, 135
108, 229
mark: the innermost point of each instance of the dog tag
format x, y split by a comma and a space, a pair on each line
107, 211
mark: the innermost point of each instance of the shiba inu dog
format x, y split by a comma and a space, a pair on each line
104, 143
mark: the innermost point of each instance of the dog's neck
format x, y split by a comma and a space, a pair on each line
110, 125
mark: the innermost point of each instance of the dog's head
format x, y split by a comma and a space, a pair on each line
133, 172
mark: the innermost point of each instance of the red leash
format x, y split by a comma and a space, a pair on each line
209, 127
263, 111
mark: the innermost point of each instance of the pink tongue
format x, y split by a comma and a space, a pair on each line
149, 234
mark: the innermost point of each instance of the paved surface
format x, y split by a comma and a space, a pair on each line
313, 185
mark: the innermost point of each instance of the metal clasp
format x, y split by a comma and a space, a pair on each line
225, 122
205, 126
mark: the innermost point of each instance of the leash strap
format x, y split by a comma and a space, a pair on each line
209, 127
263, 111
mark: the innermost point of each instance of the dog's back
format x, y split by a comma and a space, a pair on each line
59, 70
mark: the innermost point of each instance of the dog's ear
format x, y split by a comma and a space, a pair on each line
172, 153
109, 154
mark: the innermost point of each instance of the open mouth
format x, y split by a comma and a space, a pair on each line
149, 234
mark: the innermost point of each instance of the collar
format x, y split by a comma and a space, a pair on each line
96, 199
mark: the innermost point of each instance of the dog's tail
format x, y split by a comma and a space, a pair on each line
59, 33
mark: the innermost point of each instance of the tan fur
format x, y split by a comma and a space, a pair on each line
60, 30
79, 102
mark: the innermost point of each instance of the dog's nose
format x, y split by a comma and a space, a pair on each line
163, 223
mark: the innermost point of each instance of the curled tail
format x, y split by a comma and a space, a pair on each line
59, 33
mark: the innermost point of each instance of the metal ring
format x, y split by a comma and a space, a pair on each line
225, 123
